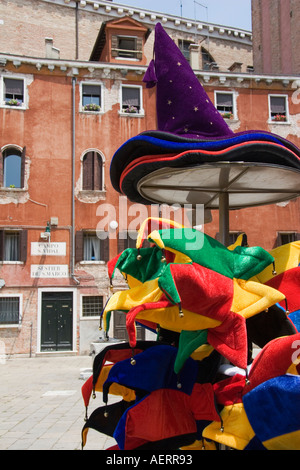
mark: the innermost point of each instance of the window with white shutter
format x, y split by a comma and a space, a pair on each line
131, 100
91, 99
13, 91
224, 103
278, 108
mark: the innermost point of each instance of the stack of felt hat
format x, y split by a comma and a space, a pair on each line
197, 386
264, 414
199, 297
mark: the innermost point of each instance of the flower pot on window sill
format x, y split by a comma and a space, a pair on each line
227, 115
13, 103
279, 118
92, 107
131, 110
279, 122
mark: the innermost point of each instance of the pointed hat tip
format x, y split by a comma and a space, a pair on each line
183, 106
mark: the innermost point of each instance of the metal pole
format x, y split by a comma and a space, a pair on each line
30, 353
73, 180
224, 218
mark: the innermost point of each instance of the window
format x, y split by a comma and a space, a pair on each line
119, 327
12, 163
91, 97
131, 99
287, 237
91, 246
184, 46
9, 310
126, 240
127, 47
92, 171
232, 238
278, 108
224, 103
13, 245
13, 91
92, 305
208, 61
12, 167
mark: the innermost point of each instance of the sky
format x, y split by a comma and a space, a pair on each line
234, 13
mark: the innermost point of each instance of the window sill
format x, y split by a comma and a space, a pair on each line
95, 317
18, 108
130, 59
134, 115
233, 120
12, 190
12, 262
92, 192
93, 262
16, 325
89, 196
15, 195
87, 111
279, 122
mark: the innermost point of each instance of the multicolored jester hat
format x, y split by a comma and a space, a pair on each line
196, 385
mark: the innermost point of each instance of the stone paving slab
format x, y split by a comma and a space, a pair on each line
41, 406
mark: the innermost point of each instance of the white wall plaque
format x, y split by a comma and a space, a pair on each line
49, 249
49, 270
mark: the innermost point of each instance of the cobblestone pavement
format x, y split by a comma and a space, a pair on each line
41, 406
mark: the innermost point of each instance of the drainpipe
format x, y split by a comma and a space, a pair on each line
76, 30
72, 261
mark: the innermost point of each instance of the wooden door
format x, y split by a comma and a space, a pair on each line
120, 331
57, 321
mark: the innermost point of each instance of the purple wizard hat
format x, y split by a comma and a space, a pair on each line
183, 107
190, 130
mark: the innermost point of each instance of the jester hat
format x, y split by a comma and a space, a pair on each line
160, 420
99, 422
190, 131
272, 323
102, 364
171, 404
210, 289
152, 369
287, 278
174, 419
267, 418
265, 321
273, 410
278, 357
262, 413
158, 390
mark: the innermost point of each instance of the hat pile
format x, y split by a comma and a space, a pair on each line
198, 296
196, 386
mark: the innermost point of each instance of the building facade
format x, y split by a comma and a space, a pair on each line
71, 93
276, 36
